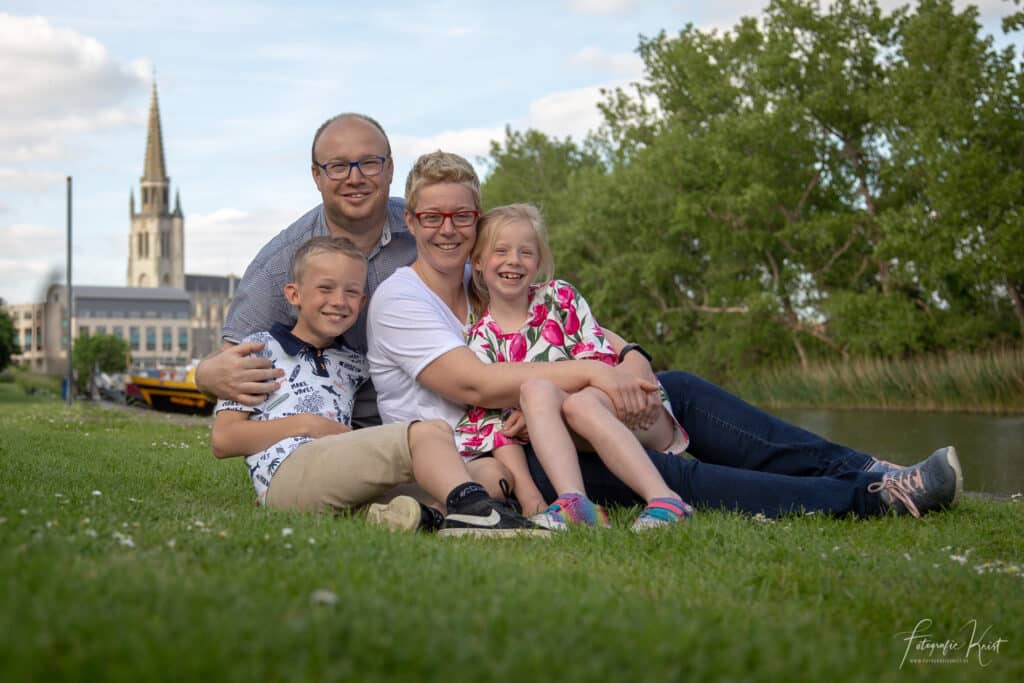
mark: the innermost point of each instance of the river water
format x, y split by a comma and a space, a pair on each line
990, 448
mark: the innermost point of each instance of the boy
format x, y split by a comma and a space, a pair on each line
299, 448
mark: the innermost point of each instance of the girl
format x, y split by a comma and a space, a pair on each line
521, 321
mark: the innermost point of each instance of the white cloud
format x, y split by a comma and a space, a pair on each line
225, 240
598, 7
469, 142
28, 253
621, 65
31, 181
571, 112
56, 83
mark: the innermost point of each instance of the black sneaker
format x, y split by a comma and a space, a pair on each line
489, 518
933, 483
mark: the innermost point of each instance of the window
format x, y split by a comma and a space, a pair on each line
118, 331
183, 339
167, 339
83, 331
39, 337
133, 341
27, 346
101, 329
151, 339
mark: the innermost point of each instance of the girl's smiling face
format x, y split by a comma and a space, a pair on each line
510, 265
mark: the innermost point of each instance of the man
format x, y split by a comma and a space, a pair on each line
353, 169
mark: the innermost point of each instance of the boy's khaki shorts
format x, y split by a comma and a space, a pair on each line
343, 471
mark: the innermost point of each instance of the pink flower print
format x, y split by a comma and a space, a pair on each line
581, 348
475, 414
474, 442
466, 429
486, 430
501, 358
565, 297
517, 348
540, 314
493, 327
598, 332
552, 333
572, 321
606, 358
501, 440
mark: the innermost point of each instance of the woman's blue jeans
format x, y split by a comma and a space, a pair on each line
746, 460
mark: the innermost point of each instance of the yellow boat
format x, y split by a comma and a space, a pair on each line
171, 391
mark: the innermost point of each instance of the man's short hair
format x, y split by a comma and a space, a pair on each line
323, 245
348, 115
440, 167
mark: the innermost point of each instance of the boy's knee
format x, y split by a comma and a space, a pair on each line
432, 430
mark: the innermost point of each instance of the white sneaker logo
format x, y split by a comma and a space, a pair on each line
490, 520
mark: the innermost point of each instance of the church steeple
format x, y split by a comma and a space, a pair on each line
155, 184
154, 169
156, 246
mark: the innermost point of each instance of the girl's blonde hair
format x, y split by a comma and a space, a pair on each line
487, 231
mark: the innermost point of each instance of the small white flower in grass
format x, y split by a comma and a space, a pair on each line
322, 596
288, 546
58, 495
198, 523
123, 539
287, 531
907, 557
50, 523
171, 543
97, 493
312, 541
3, 520
1017, 497
961, 559
947, 548
23, 511
91, 533
134, 500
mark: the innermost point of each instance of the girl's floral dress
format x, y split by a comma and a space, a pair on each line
560, 327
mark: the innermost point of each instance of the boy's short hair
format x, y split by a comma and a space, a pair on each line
323, 245
440, 167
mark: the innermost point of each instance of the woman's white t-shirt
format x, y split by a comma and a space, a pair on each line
408, 328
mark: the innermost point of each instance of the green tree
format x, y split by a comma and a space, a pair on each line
8, 340
813, 183
104, 352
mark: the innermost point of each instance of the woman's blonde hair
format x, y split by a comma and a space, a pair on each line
440, 167
487, 230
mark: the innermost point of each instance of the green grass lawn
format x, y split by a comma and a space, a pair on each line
127, 552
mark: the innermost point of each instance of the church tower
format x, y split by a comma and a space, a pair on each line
156, 247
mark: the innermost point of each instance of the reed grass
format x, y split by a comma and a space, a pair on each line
991, 382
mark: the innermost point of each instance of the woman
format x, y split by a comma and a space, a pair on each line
746, 459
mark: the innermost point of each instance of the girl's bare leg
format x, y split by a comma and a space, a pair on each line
529, 496
541, 403
488, 472
590, 413
658, 436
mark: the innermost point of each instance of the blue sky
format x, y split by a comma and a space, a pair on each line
243, 86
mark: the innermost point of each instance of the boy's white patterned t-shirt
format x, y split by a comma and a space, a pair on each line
316, 381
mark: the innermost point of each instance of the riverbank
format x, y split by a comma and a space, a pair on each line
124, 543
990, 383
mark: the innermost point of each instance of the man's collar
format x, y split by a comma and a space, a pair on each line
291, 344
